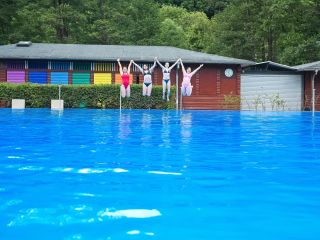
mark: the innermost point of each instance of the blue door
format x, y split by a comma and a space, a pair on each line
38, 77
59, 78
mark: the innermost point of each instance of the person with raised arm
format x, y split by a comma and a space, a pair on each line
125, 77
147, 77
166, 83
186, 88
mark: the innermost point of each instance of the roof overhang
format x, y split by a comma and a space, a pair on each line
309, 67
85, 52
270, 66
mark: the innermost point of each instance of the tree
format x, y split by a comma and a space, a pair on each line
195, 25
198, 31
209, 7
7, 13
267, 30
32, 23
296, 49
123, 22
233, 31
44, 22
279, 30
68, 23
171, 34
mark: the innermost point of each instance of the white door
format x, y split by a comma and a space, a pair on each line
271, 92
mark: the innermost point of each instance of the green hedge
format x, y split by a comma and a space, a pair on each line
90, 96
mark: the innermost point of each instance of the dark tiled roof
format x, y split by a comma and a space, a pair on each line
111, 53
309, 66
269, 65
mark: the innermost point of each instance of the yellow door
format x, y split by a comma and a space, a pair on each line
102, 78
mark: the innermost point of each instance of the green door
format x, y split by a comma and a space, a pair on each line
80, 78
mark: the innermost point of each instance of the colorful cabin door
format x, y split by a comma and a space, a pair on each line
16, 76
102, 78
38, 77
80, 78
59, 78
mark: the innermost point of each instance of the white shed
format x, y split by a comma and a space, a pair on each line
271, 86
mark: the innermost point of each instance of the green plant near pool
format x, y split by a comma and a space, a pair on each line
232, 101
89, 96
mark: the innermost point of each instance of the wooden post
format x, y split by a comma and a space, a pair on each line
219, 80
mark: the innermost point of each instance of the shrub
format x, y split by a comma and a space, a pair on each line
90, 96
232, 101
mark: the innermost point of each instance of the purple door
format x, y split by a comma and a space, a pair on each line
16, 76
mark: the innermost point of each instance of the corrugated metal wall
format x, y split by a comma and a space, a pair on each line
80, 78
102, 78
258, 90
16, 76
59, 78
38, 77
104, 67
35, 64
15, 65
59, 65
82, 66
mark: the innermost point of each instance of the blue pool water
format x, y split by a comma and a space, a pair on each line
92, 174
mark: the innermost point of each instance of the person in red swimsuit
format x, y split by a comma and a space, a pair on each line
125, 76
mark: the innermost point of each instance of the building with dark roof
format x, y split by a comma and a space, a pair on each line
43, 63
271, 86
83, 52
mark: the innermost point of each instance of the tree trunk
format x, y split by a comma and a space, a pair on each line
263, 51
270, 45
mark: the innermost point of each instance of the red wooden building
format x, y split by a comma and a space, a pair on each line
216, 85
311, 85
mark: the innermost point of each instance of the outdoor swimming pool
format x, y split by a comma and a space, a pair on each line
94, 174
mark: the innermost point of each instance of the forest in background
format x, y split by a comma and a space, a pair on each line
285, 31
